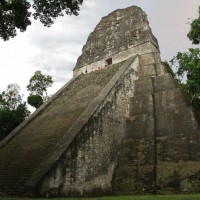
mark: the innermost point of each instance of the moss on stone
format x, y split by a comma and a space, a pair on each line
134, 173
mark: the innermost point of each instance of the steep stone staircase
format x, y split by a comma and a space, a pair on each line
29, 147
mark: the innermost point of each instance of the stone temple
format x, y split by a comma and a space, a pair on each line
119, 126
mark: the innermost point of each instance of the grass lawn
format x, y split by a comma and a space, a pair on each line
128, 197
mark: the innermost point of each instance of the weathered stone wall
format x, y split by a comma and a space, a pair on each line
178, 138
32, 141
119, 35
144, 48
87, 167
136, 170
159, 153
124, 128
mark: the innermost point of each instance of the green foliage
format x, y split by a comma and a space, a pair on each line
48, 10
188, 72
194, 33
169, 69
2, 101
35, 100
187, 66
11, 97
15, 14
38, 85
12, 111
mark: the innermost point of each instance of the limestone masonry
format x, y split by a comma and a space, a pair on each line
119, 36
120, 126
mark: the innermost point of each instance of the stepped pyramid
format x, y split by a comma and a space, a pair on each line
120, 125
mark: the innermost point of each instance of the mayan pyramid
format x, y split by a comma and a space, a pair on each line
119, 126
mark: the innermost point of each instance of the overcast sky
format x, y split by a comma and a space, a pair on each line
54, 50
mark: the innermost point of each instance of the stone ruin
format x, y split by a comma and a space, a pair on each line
119, 126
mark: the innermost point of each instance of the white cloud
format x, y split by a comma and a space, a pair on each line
55, 50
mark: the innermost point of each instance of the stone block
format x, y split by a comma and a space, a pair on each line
179, 147
157, 57
178, 177
135, 170
147, 70
163, 82
140, 126
160, 69
143, 86
141, 104
134, 180
147, 59
170, 100
178, 163
178, 121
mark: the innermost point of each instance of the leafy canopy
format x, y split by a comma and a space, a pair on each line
13, 110
187, 65
38, 85
11, 97
194, 33
188, 72
16, 14
35, 100
10, 119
